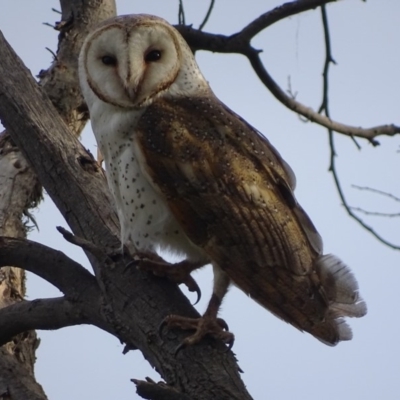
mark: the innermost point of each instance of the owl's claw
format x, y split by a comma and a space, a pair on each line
206, 325
192, 286
178, 273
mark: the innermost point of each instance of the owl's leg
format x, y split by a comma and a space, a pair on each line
178, 272
209, 323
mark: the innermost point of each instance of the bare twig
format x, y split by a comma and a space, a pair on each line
52, 53
351, 213
83, 243
375, 213
325, 108
328, 61
381, 192
209, 11
181, 14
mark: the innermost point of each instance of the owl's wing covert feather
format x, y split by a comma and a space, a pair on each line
233, 195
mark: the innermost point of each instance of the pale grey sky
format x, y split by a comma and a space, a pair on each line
280, 363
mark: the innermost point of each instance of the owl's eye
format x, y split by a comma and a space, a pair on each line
153, 56
109, 60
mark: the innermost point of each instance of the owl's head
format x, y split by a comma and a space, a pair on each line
130, 60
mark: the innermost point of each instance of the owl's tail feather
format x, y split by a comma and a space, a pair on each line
340, 289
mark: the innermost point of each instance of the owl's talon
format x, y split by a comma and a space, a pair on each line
178, 273
230, 342
198, 297
206, 325
222, 323
192, 286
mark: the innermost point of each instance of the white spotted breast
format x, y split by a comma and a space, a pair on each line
147, 224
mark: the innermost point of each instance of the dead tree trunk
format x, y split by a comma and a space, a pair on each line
20, 190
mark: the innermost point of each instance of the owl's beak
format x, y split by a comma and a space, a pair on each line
131, 92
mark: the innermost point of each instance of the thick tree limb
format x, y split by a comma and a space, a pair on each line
240, 43
52, 265
135, 302
44, 314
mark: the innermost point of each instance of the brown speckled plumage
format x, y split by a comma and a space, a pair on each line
232, 193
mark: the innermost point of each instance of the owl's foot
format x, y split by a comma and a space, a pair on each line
178, 273
206, 325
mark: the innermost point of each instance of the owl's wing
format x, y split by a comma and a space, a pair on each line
233, 195
282, 174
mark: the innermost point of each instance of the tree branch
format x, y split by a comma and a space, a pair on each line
151, 390
310, 114
239, 43
376, 213
277, 14
377, 191
52, 265
100, 254
208, 14
44, 314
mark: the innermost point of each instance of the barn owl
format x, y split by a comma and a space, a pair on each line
190, 176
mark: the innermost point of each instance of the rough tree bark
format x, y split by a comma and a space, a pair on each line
21, 190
